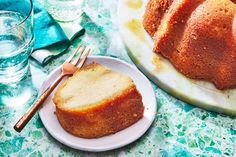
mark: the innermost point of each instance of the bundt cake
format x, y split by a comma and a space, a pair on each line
197, 36
97, 101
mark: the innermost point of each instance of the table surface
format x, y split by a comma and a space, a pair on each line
179, 129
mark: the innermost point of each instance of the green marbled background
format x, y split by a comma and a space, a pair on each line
179, 129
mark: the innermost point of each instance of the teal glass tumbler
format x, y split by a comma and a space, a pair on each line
16, 39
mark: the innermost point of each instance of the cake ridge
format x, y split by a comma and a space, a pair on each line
176, 22
157, 8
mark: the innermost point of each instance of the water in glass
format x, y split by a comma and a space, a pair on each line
16, 44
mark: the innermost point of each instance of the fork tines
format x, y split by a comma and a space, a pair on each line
81, 50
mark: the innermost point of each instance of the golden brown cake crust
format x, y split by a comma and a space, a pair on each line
106, 118
155, 11
198, 37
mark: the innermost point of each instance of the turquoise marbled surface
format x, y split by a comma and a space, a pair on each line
179, 129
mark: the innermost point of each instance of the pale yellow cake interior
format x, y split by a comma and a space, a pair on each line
92, 85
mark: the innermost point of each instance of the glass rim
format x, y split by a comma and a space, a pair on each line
30, 11
27, 16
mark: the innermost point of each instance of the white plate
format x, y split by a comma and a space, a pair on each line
117, 140
161, 71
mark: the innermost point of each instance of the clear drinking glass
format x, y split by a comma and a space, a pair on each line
16, 39
64, 10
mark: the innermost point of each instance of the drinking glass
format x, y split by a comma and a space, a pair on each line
16, 39
64, 10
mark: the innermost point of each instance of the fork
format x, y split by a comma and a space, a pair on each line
68, 68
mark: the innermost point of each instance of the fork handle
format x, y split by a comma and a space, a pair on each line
30, 113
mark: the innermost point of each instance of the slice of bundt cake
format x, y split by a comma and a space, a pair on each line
197, 36
97, 101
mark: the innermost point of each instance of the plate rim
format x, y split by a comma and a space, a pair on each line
101, 149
